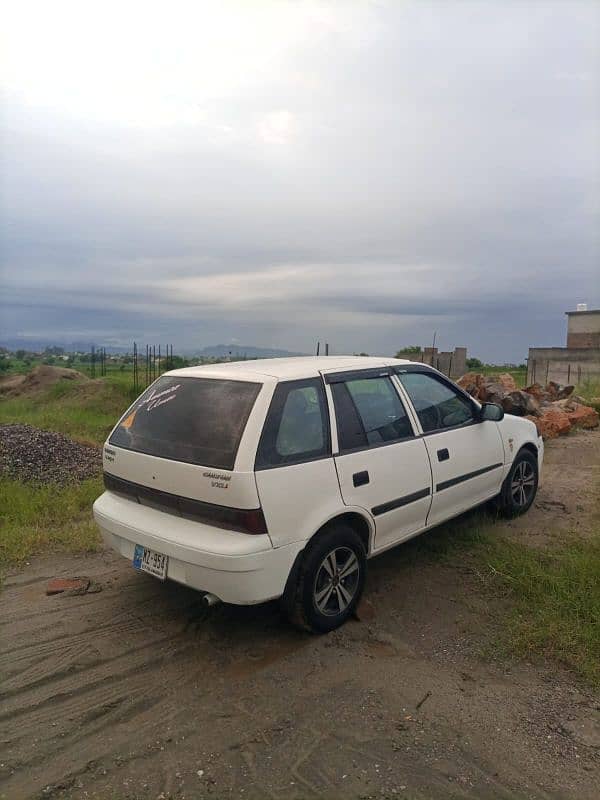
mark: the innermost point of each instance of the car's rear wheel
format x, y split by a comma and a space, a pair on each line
330, 580
520, 485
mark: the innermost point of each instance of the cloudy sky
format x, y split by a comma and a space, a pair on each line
276, 173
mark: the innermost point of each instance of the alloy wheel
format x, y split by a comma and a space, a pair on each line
522, 484
336, 581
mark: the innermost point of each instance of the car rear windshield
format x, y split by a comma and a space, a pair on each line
196, 420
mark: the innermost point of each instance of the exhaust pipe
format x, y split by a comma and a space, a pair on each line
210, 599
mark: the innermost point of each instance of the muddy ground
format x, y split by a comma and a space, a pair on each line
137, 692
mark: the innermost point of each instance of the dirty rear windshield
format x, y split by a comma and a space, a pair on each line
196, 420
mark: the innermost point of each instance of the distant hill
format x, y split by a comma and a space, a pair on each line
214, 351
244, 350
39, 345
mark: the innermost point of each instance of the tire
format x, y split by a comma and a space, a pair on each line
520, 485
322, 597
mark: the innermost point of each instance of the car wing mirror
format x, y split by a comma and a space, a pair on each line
491, 412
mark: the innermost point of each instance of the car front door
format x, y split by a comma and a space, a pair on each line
382, 464
466, 454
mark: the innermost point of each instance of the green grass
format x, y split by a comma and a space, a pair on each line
556, 600
85, 411
520, 375
35, 518
42, 518
590, 391
552, 594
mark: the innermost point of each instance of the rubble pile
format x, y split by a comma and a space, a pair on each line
38, 380
30, 454
554, 409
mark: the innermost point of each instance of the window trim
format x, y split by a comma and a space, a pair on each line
344, 377
418, 368
357, 374
318, 384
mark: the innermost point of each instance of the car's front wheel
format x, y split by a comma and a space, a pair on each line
330, 581
520, 485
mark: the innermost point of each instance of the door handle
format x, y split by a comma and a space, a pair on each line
360, 478
443, 455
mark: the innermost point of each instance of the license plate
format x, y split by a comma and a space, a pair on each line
150, 561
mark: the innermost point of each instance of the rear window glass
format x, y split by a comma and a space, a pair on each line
196, 420
296, 428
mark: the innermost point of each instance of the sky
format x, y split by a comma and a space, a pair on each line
277, 173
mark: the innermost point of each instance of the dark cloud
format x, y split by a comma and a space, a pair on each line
393, 170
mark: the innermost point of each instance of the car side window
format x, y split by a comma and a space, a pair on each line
297, 425
369, 412
437, 405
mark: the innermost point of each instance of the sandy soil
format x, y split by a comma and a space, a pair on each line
137, 692
38, 379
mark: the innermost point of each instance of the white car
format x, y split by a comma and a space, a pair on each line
279, 478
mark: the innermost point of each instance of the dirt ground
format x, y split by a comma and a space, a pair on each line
138, 692
40, 378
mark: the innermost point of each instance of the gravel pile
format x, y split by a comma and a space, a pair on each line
30, 454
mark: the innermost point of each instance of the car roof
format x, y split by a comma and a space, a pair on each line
285, 368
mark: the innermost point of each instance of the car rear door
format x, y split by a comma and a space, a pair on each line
382, 465
295, 474
466, 454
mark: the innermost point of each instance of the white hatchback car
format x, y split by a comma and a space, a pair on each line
276, 478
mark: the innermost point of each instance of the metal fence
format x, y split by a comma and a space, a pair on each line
148, 362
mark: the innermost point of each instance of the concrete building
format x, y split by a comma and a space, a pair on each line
583, 329
453, 364
578, 361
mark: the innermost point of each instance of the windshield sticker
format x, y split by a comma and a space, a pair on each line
154, 400
157, 399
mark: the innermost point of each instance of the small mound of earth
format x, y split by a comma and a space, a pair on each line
39, 378
30, 454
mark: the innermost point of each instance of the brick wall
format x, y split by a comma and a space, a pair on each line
583, 340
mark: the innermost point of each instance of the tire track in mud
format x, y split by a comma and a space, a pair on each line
92, 682
62, 645
86, 605
68, 671
138, 686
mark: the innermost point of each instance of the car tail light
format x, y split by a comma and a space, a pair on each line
237, 519
254, 521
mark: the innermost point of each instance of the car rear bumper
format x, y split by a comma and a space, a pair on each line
238, 568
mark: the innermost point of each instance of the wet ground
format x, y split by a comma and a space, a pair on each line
139, 692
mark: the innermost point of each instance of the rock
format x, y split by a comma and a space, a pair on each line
565, 391
520, 403
492, 393
58, 585
536, 390
552, 423
553, 389
565, 405
507, 381
553, 408
30, 454
583, 416
471, 382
